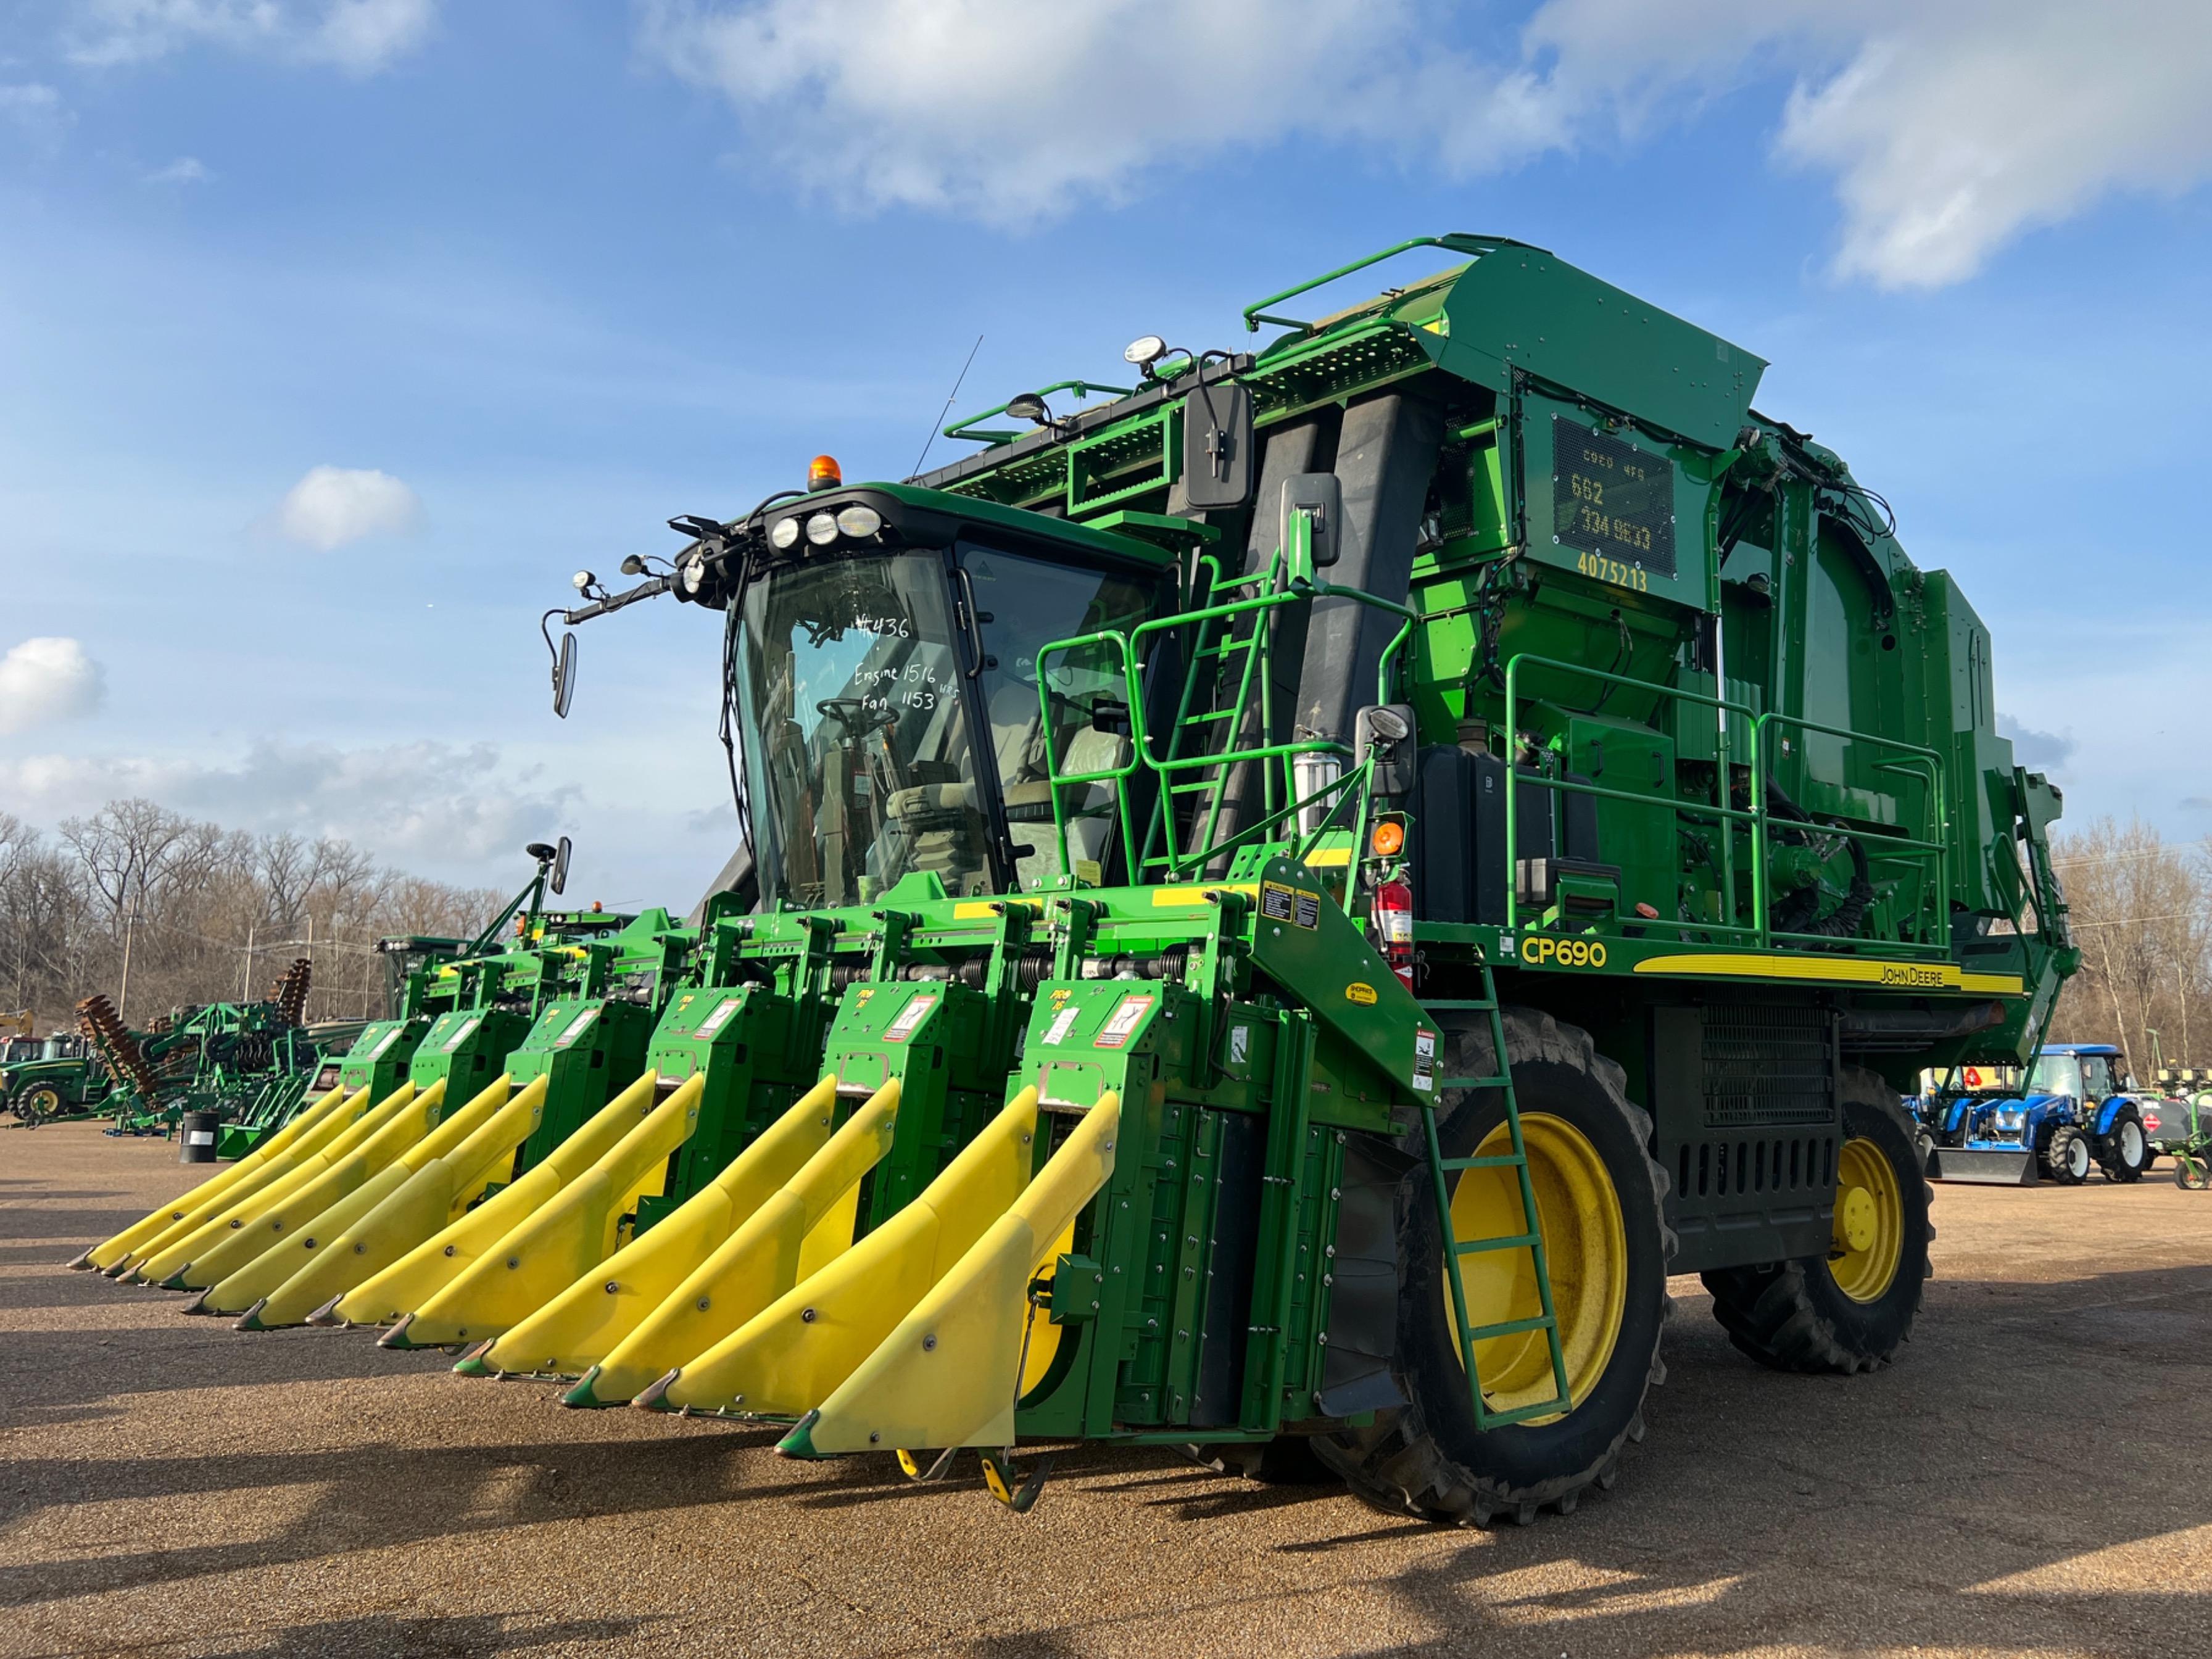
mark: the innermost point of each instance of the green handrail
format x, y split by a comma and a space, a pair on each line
1935, 845
1081, 388
1939, 811
1456, 242
1722, 707
1131, 666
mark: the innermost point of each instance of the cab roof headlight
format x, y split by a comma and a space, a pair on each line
784, 534
822, 529
860, 521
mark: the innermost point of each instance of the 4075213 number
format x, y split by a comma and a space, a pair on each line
1612, 570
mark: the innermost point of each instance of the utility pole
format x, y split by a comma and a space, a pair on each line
245, 973
2181, 990
123, 992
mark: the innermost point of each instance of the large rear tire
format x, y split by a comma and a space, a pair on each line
1600, 1207
1851, 1310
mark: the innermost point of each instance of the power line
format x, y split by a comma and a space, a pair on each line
2138, 922
2118, 857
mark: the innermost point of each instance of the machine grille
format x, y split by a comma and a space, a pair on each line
1768, 1066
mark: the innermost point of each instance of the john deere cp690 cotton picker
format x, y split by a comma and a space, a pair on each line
1278, 908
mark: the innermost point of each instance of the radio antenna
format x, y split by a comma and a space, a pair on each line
947, 410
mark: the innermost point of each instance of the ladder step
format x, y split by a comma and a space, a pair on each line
1503, 1161
1518, 1242
1475, 1083
1510, 1327
1491, 1419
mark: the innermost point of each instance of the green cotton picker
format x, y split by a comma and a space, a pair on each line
1279, 903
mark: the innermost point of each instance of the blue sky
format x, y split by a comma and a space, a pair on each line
336, 333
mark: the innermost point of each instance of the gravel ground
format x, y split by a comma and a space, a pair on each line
2031, 1478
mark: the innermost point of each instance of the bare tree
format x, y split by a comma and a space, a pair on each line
206, 910
2141, 911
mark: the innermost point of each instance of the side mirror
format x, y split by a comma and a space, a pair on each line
1312, 522
558, 881
1110, 716
1385, 731
564, 676
1217, 445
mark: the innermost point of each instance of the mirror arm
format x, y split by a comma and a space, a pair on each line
614, 602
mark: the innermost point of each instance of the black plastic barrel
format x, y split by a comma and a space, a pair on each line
199, 1132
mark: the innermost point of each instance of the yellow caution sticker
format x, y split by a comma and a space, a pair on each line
1361, 991
1299, 906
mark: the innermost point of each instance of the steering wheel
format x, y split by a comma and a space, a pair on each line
852, 713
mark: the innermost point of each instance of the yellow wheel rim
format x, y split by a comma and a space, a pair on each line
1586, 1245
45, 1102
1868, 1239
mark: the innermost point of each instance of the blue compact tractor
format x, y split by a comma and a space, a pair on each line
2074, 1112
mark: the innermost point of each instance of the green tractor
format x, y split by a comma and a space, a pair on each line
50, 1079
1276, 910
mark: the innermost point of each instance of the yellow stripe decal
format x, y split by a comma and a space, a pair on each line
1323, 858
1896, 976
977, 909
1163, 898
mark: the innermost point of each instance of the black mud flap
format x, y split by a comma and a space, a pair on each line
1358, 1370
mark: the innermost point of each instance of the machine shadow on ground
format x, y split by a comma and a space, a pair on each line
1923, 1504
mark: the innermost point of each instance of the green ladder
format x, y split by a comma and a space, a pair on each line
1530, 1238
1229, 657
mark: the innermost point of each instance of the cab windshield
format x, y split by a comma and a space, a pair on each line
858, 721
857, 760
2056, 1074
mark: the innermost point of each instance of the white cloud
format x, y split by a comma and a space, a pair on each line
1960, 126
426, 804
37, 111
1004, 110
359, 37
2040, 751
1950, 126
334, 505
184, 170
47, 680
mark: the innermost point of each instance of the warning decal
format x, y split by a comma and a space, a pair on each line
909, 1017
721, 1016
1424, 1061
1296, 905
1124, 1020
575, 1028
1056, 1033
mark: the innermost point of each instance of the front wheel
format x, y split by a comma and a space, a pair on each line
2068, 1160
1852, 1309
2125, 1153
39, 1104
1600, 1212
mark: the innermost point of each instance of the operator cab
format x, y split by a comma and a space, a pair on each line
881, 668
2090, 1073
